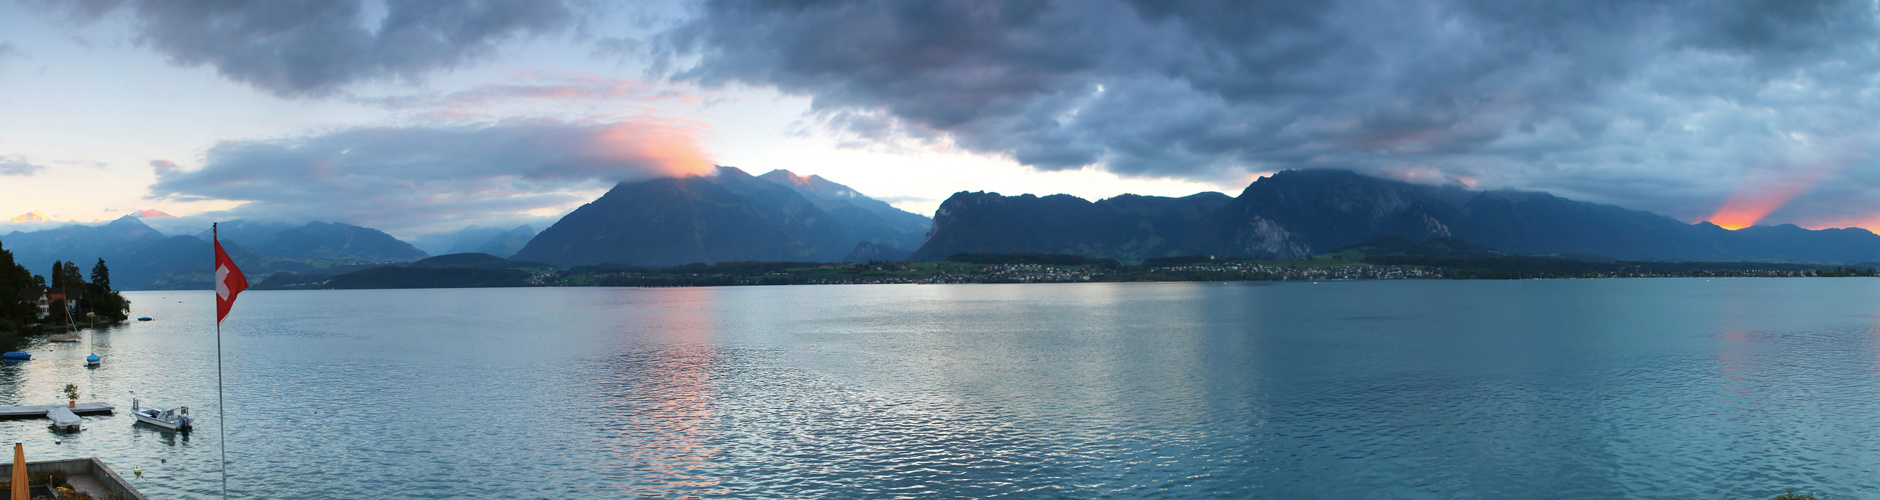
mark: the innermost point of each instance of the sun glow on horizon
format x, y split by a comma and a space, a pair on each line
1746, 210
1757, 197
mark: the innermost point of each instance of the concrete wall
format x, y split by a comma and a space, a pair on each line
78, 466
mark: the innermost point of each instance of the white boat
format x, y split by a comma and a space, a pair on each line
64, 337
63, 419
176, 419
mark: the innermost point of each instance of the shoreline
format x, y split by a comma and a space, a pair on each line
714, 282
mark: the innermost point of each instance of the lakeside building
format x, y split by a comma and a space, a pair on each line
45, 297
40, 297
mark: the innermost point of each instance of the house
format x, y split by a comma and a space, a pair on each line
65, 296
40, 297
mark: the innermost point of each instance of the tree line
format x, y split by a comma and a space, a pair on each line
20, 288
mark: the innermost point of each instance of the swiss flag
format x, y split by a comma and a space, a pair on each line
229, 282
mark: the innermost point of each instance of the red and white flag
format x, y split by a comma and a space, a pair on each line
229, 282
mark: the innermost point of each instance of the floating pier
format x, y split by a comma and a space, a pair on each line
37, 411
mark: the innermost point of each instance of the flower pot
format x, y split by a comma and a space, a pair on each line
71, 404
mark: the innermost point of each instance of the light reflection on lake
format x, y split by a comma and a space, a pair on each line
1429, 389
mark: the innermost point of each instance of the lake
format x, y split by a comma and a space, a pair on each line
1636, 388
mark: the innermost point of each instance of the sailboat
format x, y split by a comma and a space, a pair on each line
92, 360
70, 326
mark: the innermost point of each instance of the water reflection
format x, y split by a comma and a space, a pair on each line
1737, 384
167, 437
660, 396
1563, 389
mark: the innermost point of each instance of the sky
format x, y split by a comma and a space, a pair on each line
421, 117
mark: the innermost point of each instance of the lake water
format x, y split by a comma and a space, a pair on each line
1667, 388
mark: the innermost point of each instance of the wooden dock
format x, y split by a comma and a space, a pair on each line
40, 411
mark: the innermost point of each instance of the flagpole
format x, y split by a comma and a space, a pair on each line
221, 405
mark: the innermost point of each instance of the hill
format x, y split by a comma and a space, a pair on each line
728, 216
1127, 228
464, 270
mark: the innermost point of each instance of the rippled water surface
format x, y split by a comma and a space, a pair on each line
1673, 388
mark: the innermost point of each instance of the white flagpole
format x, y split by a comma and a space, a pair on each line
221, 405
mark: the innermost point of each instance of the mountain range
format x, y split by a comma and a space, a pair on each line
1297, 213
477, 239
319, 241
729, 216
874, 221
780, 216
143, 258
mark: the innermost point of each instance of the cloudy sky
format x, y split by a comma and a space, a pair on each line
420, 116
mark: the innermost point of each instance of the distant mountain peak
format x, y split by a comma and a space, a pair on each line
671, 221
812, 184
127, 221
786, 177
152, 213
33, 216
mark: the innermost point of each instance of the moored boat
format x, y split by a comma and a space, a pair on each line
64, 337
145, 318
176, 419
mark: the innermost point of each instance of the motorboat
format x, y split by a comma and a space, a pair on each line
64, 337
17, 356
145, 318
176, 419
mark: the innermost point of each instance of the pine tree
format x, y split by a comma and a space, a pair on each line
57, 274
99, 297
101, 275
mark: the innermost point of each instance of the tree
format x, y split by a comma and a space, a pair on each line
57, 274
70, 275
101, 275
14, 309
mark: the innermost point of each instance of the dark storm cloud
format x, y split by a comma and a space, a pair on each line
538, 94
1662, 105
431, 178
312, 47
